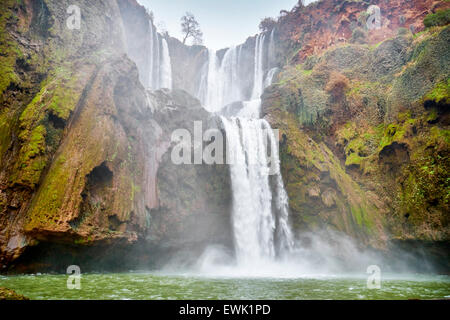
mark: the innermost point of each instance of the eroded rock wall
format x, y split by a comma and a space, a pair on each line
82, 142
365, 125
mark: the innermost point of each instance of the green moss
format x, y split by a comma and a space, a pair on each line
346, 133
37, 142
440, 93
9, 49
440, 18
63, 101
438, 135
364, 87
135, 189
58, 96
51, 197
393, 132
425, 194
362, 218
353, 159
31, 160
432, 115
306, 72
358, 143
5, 135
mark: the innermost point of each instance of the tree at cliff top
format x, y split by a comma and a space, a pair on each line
191, 28
267, 24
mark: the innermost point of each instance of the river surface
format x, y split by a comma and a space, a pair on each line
155, 285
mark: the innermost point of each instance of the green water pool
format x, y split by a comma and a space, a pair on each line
156, 285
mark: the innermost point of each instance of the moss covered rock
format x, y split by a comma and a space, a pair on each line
372, 161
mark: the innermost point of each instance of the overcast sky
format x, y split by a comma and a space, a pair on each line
223, 22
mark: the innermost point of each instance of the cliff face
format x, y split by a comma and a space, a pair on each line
310, 30
80, 141
364, 125
194, 200
67, 174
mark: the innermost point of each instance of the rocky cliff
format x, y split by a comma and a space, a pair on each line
310, 30
81, 139
67, 171
364, 121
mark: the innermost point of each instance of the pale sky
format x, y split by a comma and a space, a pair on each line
223, 22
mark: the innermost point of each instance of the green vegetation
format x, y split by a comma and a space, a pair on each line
440, 18
9, 49
440, 93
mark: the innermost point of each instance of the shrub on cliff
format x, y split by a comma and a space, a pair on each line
440, 18
359, 35
337, 85
403, 31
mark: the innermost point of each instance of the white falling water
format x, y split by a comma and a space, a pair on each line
271, 50
231, 86
284, 235
166, 68
151, 51
212, 101
269, 77
220, 81
253, 220
260, 203
158, 61
252, 108
259, 71
252, 152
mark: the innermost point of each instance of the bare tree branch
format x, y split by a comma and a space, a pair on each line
191, 29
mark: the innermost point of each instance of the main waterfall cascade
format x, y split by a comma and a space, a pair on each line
260, 212
260, 203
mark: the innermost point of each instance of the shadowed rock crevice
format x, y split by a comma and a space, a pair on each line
98, 181
394, 156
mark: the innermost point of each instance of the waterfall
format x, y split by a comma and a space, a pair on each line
259, 72
269, 77
213, 98
166, 68
150, 54
220, 82
260, 203
253, 220
257, 210
271, 52
159, 67
231, 87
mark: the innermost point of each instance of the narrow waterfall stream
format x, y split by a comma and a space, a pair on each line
158, 61
166, 67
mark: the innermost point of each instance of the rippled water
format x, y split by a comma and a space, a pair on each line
140, 285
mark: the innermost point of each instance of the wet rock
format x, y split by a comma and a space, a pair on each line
328, 197
8, 294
